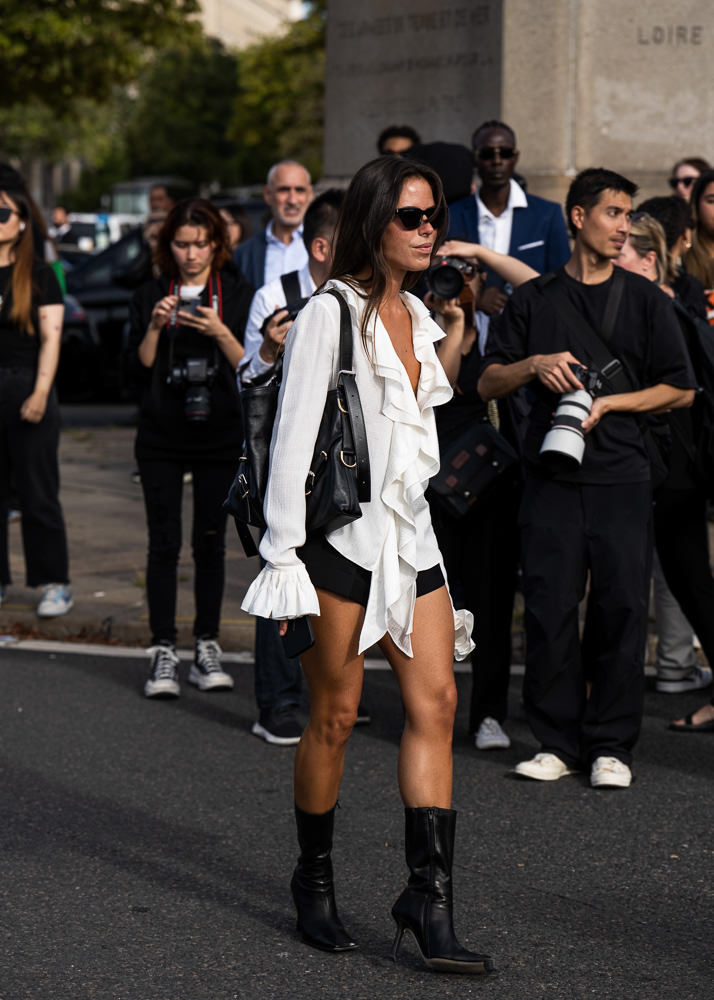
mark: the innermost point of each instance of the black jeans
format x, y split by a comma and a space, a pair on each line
568, 532
162, 482
682, 539
28, 461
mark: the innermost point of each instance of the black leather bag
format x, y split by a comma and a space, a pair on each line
339, 478
470, 465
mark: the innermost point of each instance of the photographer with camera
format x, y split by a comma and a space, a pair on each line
186, 332
595, 517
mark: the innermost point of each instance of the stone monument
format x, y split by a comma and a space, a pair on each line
619, 83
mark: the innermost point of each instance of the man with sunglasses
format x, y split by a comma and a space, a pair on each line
502, 217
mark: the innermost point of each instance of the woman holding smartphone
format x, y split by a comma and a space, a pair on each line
379, 579
186, 332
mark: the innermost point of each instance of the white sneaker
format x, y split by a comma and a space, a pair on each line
56, 600
693, 680
609, 772
490, 735
543, 767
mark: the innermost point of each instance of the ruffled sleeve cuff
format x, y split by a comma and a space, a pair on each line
463, 627
282, 593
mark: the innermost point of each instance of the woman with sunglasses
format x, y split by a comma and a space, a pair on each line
186, 338
684, 174
379, 579
699, 261
31, 313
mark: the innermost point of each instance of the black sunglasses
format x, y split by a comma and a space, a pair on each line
491, 152
411, 218
5, 213
686, 181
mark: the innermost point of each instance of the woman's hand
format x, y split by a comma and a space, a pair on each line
33, 409
205, 320
161, 313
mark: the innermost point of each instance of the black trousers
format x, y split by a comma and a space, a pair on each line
162, 482
569, 532
28, 459
682, 540
480, 552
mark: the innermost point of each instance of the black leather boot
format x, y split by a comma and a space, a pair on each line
425, 906
312, 886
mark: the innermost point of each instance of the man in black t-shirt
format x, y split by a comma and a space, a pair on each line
590, 518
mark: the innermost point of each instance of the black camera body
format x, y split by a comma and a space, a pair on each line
447, 277
195, 376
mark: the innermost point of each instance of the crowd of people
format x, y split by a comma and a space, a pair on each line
580, 327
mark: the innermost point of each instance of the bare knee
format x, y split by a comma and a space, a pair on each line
332, 728
435, 710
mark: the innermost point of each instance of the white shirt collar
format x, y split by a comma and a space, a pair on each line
272, 238
516, 199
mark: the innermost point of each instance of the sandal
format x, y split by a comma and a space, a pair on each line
693, 727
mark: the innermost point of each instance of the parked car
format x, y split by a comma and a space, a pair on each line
79, 372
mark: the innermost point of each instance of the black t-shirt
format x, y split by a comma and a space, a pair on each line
646, 338
163, 430
18, 349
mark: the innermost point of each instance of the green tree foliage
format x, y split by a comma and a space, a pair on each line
55, 51
178, 125
279, 109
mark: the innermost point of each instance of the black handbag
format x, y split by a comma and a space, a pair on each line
339, 477
470, 465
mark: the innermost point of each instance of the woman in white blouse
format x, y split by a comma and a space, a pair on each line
380, 578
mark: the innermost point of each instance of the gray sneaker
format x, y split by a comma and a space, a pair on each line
693, 680
206, 671
163, 679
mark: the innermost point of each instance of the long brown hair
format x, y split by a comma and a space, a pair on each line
697, 260
192, 212
367, 210
22, 254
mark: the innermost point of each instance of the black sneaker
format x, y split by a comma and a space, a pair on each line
206, 671
278, 726
163, 679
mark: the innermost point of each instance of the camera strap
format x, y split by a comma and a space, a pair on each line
593, 343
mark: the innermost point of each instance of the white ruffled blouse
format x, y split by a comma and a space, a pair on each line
394, 538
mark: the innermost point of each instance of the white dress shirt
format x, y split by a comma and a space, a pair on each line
265, 301
281, 258
394, 538
494, 233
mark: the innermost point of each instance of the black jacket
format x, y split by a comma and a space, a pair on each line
163, 430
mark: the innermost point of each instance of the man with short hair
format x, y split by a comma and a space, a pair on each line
278, 678
280, 247
502, 217
592, 518
160, 200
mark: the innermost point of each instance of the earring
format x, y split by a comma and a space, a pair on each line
22, 227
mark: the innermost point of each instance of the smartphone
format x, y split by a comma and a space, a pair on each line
189, 306
298, 637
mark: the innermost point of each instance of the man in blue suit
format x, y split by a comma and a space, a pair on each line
502, 217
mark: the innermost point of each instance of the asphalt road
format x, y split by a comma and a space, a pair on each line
147, 850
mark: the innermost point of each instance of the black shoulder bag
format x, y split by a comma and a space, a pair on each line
339, 477
655, 431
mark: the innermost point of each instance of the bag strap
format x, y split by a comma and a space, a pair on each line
291, 286
346, 379
594, 344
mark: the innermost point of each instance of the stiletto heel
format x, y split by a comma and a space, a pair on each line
425, 908
397, 941
312, 884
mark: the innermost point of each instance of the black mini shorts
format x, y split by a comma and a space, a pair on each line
329, 570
